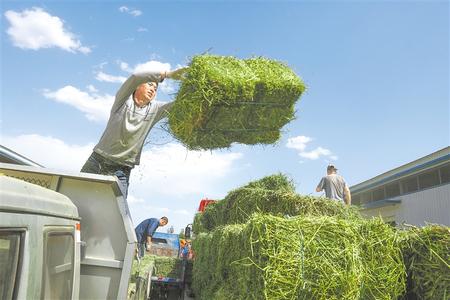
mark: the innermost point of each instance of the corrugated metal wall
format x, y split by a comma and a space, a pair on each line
430, 205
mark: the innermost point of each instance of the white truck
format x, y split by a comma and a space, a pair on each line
62, 235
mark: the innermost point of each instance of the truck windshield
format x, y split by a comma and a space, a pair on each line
9, 262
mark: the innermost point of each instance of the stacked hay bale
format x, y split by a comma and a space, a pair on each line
162, 266
427, 257
326, 251
170, 267
223, 100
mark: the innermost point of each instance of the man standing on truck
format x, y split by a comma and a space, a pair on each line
335, 186
132, 116
144, 232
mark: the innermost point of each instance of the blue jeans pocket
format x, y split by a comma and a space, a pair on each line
123, 181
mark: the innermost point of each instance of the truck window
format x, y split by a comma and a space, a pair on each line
10, 243
58, 265
159, 241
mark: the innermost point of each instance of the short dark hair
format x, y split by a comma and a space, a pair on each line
165, 219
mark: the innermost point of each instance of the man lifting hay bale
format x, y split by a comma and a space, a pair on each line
133, 115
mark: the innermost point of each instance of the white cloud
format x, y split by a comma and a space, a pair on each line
168, 170
173, 180
92, 88
316, 153
298, 142
133, 12
152, 65
165, 167
170, 180
49, 151
124, 66
142, 29
101, 76
35, 29
95, 107
136, 12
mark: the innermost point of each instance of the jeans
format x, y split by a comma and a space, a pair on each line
97, 164
141, 249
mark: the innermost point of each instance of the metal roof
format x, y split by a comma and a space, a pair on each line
434, 159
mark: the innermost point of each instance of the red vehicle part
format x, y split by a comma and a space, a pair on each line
204, 203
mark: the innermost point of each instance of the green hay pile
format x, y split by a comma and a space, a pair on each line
163, 266
167, 267
427, 258
299, 258
271, 195
223, 100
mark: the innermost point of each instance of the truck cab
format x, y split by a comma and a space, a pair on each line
39, 242
63, 235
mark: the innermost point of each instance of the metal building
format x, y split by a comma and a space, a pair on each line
415, 193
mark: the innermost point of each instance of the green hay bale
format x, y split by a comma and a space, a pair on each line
426, 253
275, 182
384, 270
270, 195
167, 267
299, 258
197, 225
223, 100
163, 266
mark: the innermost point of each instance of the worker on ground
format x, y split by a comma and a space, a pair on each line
144, 232
132, 116
334, 186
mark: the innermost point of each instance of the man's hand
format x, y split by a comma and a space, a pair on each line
177, 74
348, 196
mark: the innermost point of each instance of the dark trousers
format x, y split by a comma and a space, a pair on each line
97, 164
141, 249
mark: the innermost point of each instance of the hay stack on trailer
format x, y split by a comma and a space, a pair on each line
273, 195
299, 258
322, 250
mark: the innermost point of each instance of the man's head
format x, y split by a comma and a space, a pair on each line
163, 221
331, 169
145, 93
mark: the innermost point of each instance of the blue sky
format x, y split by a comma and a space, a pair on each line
377, 76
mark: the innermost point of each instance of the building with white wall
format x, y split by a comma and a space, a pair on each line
415, 193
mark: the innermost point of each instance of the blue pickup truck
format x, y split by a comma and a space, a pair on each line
167, 284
